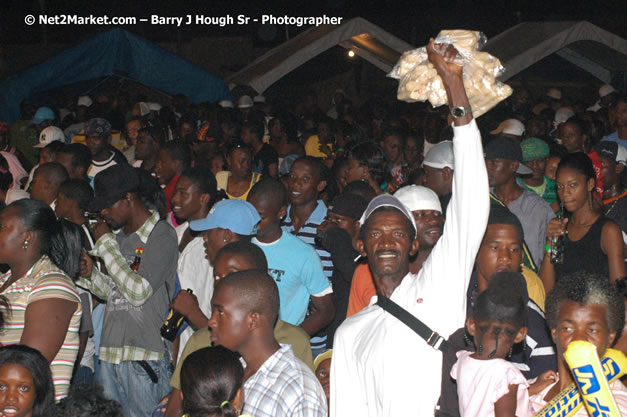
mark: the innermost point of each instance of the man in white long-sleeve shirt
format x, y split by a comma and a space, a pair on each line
380, 366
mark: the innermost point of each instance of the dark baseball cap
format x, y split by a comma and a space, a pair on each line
503, 147
98, 126
349, 205
112, 184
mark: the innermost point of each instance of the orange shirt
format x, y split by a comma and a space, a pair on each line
362, 290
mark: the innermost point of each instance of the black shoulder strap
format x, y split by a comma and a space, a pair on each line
432, 338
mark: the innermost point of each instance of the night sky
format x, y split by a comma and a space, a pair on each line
413, 21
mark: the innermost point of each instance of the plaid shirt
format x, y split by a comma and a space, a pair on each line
284, 386
135, 288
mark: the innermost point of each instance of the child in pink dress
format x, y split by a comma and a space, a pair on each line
487, 384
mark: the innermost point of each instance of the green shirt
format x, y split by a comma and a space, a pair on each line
546, 190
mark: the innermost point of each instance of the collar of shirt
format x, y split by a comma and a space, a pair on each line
146, 229
317, 216
267, 369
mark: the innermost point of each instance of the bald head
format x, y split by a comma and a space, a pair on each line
255, 290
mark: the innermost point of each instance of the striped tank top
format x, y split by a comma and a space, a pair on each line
44, 280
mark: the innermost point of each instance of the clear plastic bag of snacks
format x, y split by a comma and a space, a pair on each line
419, 81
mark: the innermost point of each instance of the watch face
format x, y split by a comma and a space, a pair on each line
458, 112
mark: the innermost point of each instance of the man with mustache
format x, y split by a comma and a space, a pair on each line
381, 367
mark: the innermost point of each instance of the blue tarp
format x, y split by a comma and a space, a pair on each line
113, 52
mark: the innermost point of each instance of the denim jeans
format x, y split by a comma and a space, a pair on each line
129, 384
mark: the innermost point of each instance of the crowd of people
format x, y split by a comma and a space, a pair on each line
252, 258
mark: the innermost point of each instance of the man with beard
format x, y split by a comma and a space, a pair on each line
380, 366
134, 363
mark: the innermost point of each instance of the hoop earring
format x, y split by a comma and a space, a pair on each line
25, 245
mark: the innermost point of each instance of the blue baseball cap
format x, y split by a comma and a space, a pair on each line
42, 114
238, 216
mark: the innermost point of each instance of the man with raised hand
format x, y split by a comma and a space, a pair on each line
380, 366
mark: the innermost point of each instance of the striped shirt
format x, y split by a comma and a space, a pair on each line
43, 281
284, 387
307, 234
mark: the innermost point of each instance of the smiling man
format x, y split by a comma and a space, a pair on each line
380, 366
304, 214
194, 194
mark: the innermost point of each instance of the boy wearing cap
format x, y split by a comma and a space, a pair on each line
503, 158
338, 235
535, 155
613, 159
135, 364
98, 137
438, 165
380, 366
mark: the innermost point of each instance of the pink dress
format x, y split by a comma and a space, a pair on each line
481, 383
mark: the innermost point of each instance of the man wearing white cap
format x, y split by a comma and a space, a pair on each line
380, 366
46, 137
512, 128
424, 205
438, 165
607, 95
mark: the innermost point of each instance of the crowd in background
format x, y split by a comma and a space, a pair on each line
275, 230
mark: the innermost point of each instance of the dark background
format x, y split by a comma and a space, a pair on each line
413, 21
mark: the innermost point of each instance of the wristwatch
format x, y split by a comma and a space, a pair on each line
459, 112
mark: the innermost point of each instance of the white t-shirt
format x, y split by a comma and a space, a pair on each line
194, 272
97, 167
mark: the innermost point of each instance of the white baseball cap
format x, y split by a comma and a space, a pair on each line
225, 104
245, 102
511, 127
154, 106
84, 101
563, 114
606, 89
387, 200
49, 135
417, 197
440, 156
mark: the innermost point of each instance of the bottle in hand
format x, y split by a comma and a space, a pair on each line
172, 323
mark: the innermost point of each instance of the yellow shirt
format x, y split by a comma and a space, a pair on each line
535, 288
222, 178
312, 147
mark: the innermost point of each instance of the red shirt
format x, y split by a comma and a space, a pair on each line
169, 190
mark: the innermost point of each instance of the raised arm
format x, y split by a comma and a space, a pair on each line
469, 207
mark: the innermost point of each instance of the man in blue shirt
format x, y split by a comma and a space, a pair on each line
293, 264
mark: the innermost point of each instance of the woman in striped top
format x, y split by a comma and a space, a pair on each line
43, 254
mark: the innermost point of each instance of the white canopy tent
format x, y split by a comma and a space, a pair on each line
369, 41
585, 45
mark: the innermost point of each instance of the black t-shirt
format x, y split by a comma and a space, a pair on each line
266, 156
617, 211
